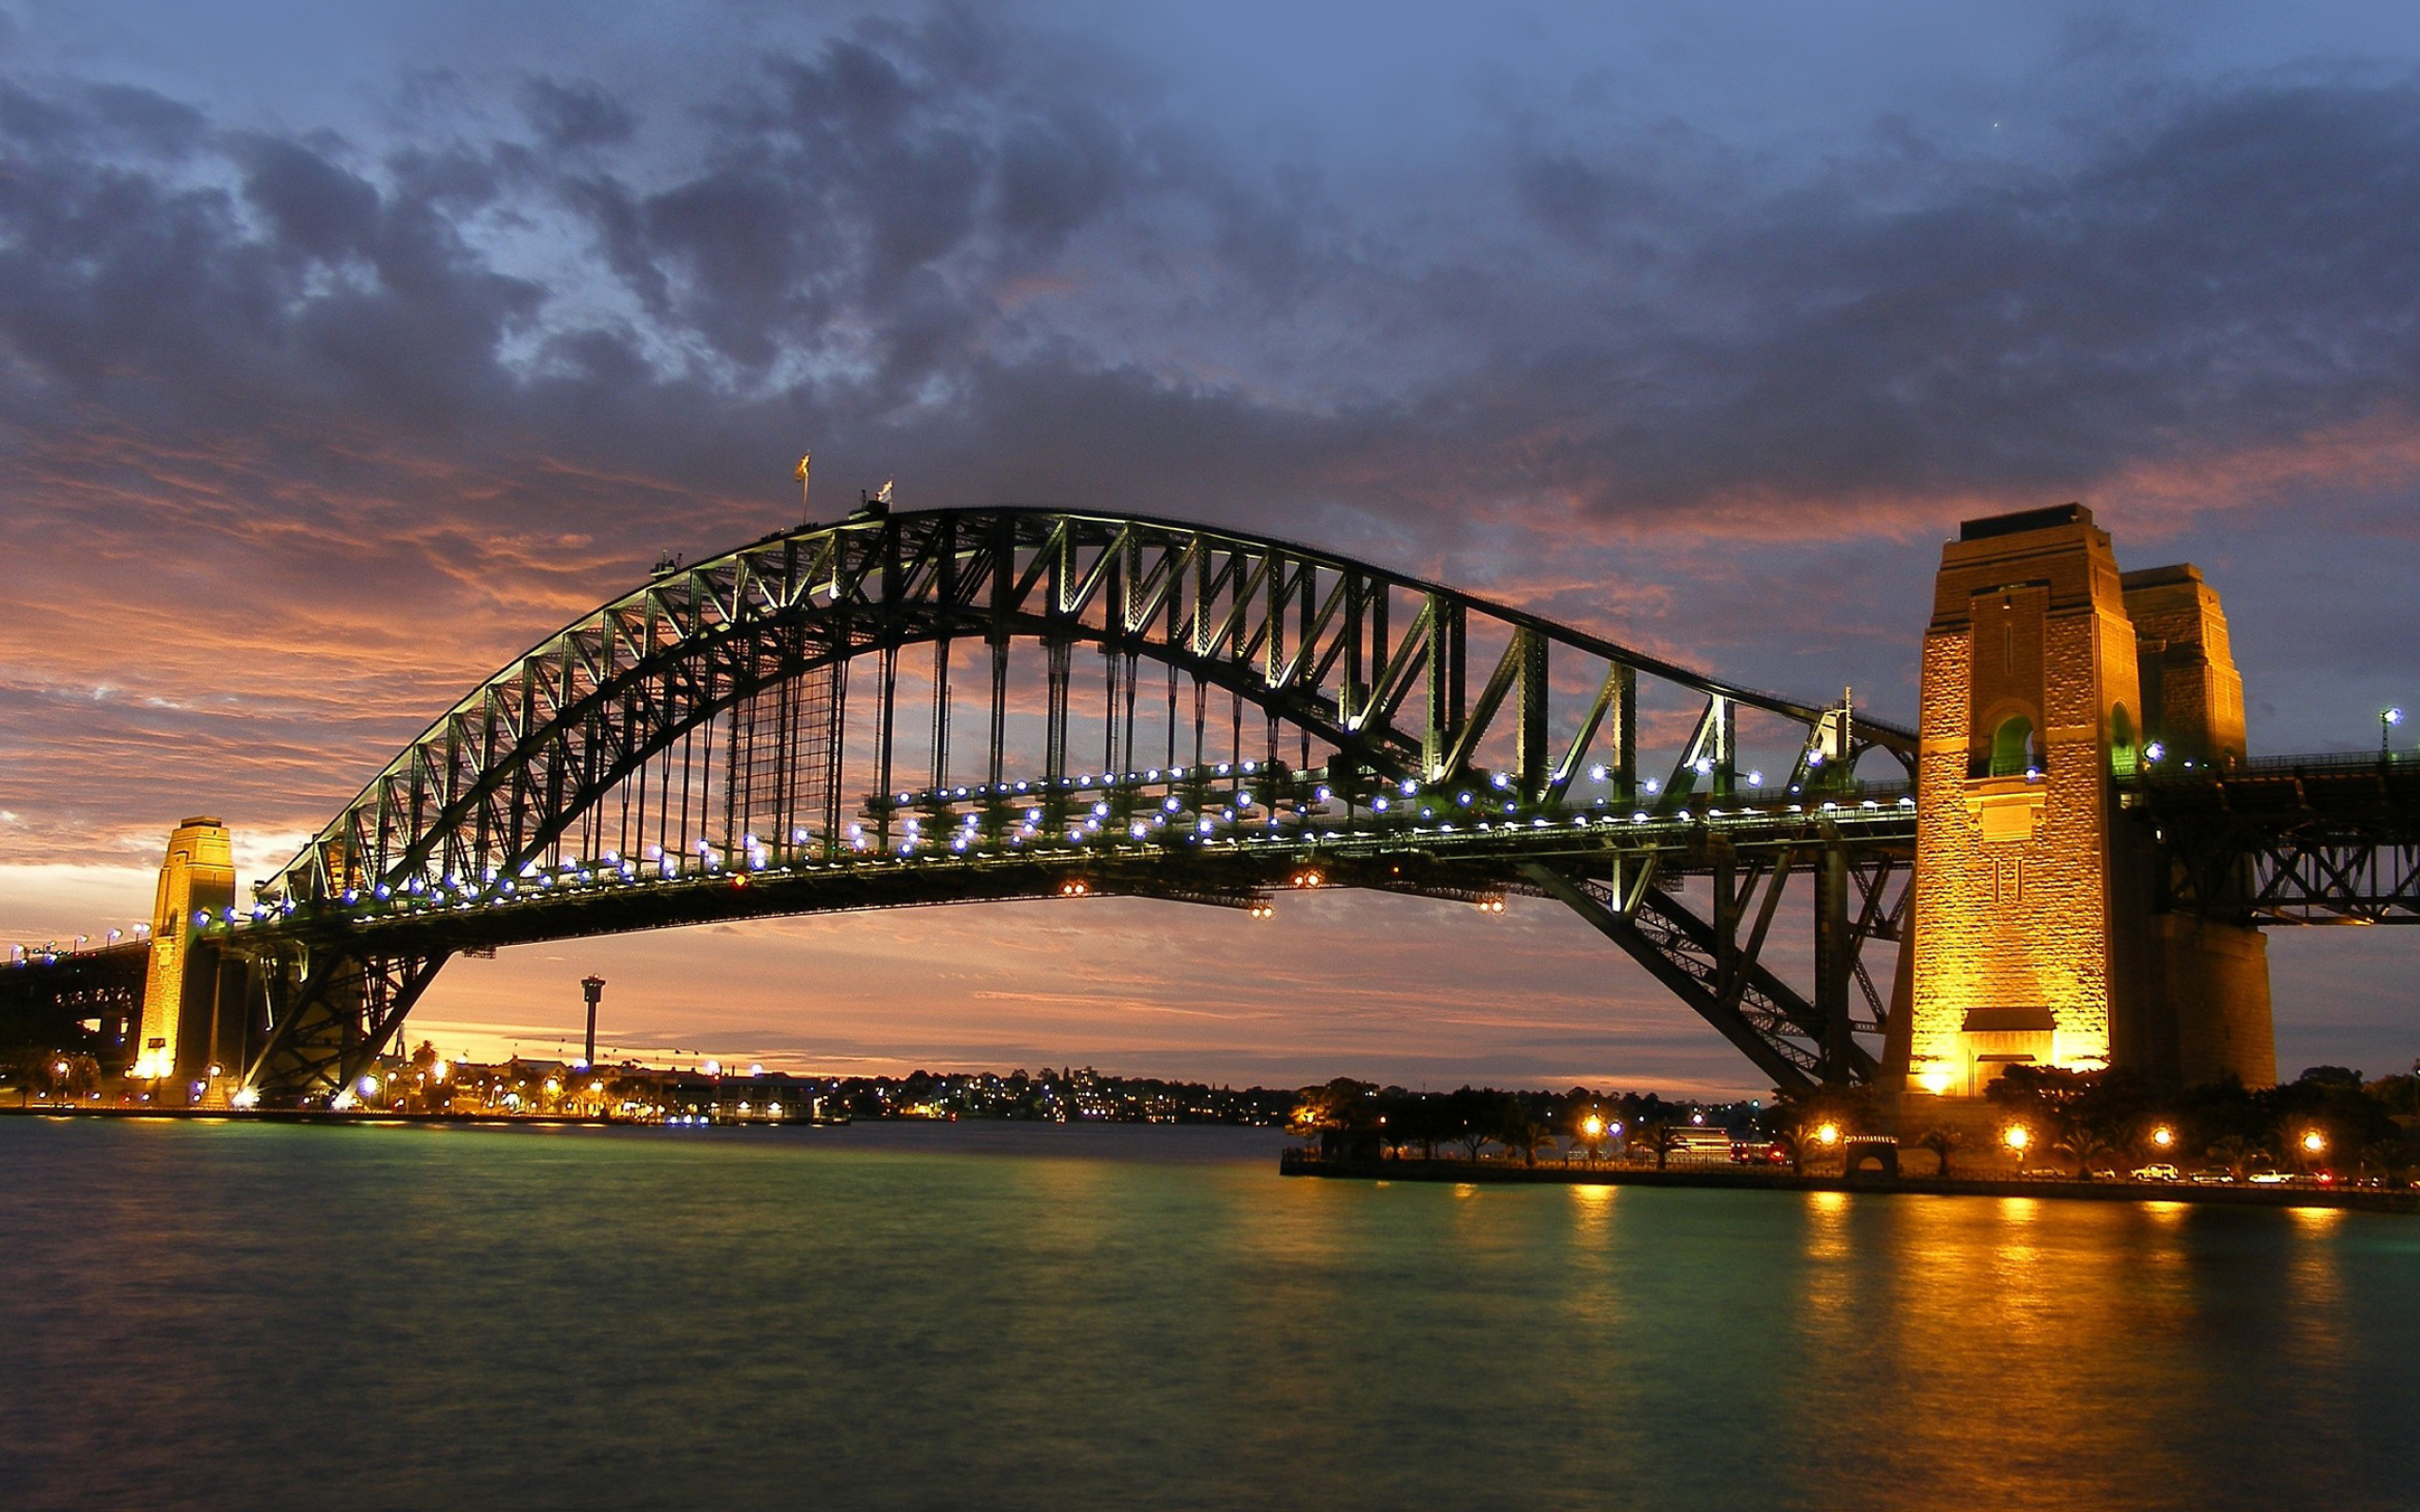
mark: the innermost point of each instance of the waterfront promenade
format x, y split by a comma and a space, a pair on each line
1772, 1178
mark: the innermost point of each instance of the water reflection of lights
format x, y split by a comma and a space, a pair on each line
1593, 1208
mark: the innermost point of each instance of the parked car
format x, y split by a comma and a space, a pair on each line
2157, 1172
2270, 1179
2212, 1176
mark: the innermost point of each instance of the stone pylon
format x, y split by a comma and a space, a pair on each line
198, 877
2049, 681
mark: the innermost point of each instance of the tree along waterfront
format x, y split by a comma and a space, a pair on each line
2331, 1126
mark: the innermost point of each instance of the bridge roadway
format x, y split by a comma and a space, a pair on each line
2297, 840
1232, 864
1621, 867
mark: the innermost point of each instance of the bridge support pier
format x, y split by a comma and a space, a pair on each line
178, 1039
2047, 678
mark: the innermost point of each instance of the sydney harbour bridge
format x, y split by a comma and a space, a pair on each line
953, 706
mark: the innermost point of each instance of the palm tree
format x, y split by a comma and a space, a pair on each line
2085, 1142
1662, 1138
1941, 1140
2236, 1153
1813, 1129
1519, 1134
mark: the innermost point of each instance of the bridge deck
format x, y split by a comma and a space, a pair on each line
1234, 868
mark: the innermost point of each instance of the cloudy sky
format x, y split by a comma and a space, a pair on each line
347, 349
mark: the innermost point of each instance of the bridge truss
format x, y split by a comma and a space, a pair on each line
2329, 839
777, 730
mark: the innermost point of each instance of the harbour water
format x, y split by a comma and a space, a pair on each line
1028, 1316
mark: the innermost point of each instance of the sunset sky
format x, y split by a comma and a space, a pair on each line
347, 349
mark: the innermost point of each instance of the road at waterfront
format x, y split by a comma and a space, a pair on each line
998, 1315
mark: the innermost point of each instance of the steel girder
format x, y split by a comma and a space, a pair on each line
331, 1013
2313, 874
2288, 840
1402, 678
1375, 663
1716, 965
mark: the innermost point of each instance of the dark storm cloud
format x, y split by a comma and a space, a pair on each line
2222, 275
576, 114
520, 346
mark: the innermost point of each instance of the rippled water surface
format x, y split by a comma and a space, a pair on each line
986, 1315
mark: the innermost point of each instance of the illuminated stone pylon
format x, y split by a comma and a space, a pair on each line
2036, 937
198, 876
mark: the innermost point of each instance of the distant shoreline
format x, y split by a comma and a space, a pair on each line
352, 1117
2363, 1199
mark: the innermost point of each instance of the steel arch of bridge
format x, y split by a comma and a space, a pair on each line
1405, 683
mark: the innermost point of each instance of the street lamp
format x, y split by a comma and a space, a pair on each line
2164, 1138
2388, 719
1827, 1135
1592, 1135
2016, 1137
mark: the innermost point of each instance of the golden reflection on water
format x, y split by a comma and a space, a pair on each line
2315, 1335
1592, 1211
2022, 1343
1594, 1299
1826, 1244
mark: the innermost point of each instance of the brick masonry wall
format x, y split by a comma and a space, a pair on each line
2051, 916
2019, 923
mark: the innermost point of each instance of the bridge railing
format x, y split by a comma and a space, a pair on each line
2328, 764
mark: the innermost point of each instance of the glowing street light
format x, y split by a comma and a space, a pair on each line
2388, 719
2314, 1143
1827, 1135
2164, 1137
